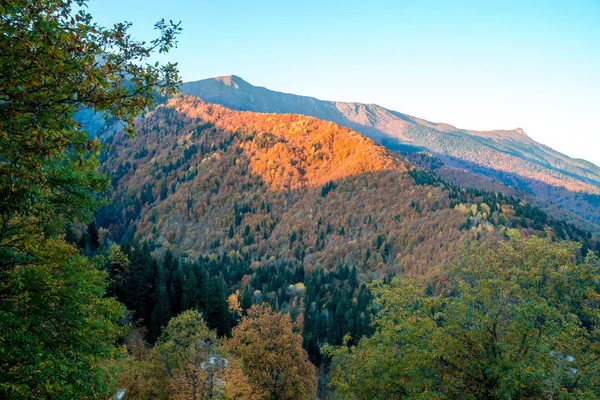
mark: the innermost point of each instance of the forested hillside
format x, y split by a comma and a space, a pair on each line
287, 209
206, 253
507, 155
203, 179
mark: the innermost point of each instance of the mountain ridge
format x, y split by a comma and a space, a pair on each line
510, 156
236, 82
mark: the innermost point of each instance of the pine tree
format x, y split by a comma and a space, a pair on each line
162, 308
189, 298
93, 237
217, 310
246, 301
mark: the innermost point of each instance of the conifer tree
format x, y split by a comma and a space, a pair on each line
189, 299
161, 314
217, 310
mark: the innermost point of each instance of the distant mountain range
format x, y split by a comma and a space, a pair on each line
509, 156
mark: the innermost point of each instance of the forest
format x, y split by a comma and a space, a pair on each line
208, 253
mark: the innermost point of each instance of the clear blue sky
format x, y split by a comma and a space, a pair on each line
474, 64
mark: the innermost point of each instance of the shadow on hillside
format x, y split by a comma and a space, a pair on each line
520, 155
585, 205
226, 207
230, 184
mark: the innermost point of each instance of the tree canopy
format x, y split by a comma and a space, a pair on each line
56, 324
57, 61
515, 322
272, 355
187, 363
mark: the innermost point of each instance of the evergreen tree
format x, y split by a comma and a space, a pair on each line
246, 301
189, 299
217, 310
92, 235
161, 314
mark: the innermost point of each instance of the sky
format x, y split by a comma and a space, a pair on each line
474, 64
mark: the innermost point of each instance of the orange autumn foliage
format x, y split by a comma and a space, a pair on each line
282, 374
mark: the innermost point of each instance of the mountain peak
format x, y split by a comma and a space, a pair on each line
231, 80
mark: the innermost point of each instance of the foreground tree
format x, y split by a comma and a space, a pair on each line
272, 355
56, 326
516, 322
56, 62
187, 362
55, 323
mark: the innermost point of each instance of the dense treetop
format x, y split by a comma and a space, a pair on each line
57, 325
204, 179
517, 321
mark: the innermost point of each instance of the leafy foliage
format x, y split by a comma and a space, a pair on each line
187, 362
55, 62
56, 325
271, 354
517, 321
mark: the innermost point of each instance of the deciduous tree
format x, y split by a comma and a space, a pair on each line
56, 326
519, 321
272, 356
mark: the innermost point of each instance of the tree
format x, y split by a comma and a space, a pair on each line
55, 323
196, 363
137, 287
184, 346
217, 308
246, 301
188, 363
94, 238
272, 356
57, 61
518, 321
141, 373
117, 259
57, 326
235, 309
190, 291
161, 314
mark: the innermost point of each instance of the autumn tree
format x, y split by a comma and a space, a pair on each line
55, 323
140, 372
272, 356
188, 362
519, 321
184, 346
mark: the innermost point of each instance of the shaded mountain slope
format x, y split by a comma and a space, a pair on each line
201, 179
508, 155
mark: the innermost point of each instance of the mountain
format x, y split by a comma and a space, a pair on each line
287, 209
202, 179
509, 156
